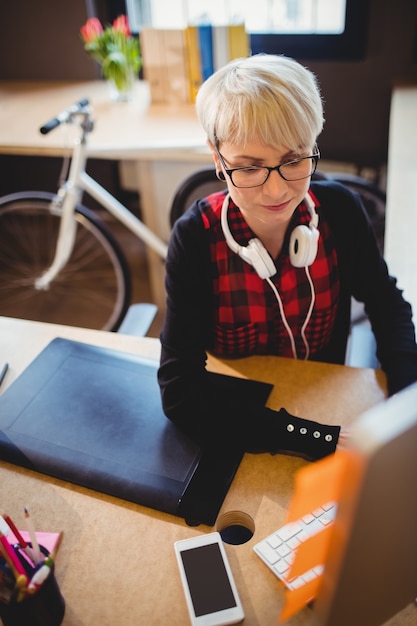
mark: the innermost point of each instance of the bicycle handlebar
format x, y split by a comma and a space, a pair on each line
63, 117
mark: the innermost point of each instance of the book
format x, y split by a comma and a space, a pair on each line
205, 40
165, 64
220, 46
174, 65
238, 41
193, 62
151, 43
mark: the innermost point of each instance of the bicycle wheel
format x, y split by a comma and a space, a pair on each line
92, 290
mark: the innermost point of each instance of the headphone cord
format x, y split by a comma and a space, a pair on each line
306, 321
310, 310
284, 319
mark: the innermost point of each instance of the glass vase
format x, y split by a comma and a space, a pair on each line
121, 89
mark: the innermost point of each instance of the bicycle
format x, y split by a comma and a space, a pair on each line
53, 248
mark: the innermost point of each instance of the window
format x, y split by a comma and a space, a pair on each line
307, 29
272, 16
350, 44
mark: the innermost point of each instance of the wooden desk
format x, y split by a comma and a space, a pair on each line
116, 564
163, 142
401, 208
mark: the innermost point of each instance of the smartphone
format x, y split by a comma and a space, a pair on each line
209, 588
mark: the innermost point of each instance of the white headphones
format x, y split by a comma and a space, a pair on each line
302, 247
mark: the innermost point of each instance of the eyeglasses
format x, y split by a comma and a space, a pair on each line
257, 175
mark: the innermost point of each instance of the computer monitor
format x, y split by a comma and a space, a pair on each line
371, 571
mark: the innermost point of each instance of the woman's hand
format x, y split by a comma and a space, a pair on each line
344, 437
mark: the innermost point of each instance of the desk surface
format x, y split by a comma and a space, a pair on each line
123, 130
401, 210
116, 563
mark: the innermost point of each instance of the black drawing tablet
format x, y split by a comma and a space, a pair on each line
93, 416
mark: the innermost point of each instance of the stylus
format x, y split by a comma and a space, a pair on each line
3, 372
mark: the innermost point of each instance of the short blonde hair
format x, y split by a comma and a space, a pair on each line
263, 97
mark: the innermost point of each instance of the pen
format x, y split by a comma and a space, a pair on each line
3, 372
40, 576
34, 541
11, 558
19, 537
21, 582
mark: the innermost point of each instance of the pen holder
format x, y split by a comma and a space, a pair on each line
46, 607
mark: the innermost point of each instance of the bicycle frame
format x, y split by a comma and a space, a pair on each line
70, 194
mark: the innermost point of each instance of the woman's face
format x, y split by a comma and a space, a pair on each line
273, 203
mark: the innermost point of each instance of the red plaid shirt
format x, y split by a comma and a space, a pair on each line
247, 318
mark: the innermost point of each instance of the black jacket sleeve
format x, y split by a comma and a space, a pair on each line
190, 397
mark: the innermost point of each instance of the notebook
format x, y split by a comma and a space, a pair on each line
93, 416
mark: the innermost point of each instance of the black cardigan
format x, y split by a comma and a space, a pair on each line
213, 416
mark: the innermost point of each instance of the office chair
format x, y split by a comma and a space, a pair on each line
360, 351
361, 347
198, 185
373, 198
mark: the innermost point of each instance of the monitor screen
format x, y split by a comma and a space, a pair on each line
371, 572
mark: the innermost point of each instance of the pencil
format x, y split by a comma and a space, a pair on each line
34, 541
56, 547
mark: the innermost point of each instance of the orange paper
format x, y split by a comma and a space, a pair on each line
311, 553
315, 485
296, 599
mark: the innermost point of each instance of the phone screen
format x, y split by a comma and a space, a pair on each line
207, 579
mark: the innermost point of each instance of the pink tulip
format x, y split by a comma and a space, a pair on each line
121, 25
91, 29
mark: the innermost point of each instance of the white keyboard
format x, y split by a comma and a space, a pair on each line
278, 550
